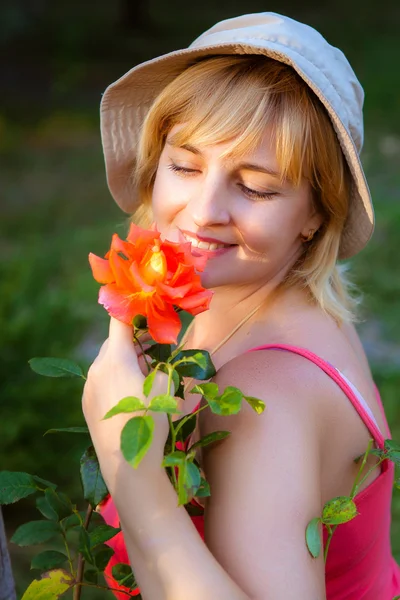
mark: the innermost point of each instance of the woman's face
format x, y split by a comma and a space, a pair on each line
238, 203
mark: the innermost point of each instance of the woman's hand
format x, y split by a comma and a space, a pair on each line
115, 374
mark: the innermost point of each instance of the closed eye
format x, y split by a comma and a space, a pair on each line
255, 194
181, 170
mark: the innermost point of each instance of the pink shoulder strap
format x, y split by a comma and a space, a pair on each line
351, 392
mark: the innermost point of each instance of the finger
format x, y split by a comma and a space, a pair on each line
120, 336
139, 350
103, 349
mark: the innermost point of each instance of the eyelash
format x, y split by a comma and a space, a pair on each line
248, 191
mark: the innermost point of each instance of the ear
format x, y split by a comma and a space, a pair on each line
314, 222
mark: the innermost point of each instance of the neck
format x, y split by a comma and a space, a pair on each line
230, 306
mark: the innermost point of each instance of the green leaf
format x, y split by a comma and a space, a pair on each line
204, 489
102, 534
174, 459
391, 445
126, 405
50, 586
102, 555
15, 485
313, 537
68, 430
84, 545
44, 482
136, 438
94, 488
55, 367
159, 352
148, 382
164, 403
208, 390
228, 403
72, 521
59, 502
187, 428
339, 510
50, 559
255, 403
124, 575
43, 506
180, 390
194, 363
91, 576
394, 456
189, 480
175, 352
35, 532
215, 436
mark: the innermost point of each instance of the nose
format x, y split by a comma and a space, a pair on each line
210, 204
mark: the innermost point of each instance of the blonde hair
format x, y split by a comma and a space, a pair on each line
233, 98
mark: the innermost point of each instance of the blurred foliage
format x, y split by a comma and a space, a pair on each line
55, 206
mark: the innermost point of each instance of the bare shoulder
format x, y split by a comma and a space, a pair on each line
265, 478
284, 380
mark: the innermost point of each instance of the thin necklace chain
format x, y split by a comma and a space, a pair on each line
225, 339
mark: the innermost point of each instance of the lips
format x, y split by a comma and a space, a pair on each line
204, 243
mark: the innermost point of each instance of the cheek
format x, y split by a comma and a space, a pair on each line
270, 229
168, 198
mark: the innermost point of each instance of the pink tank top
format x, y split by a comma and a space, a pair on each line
360, 565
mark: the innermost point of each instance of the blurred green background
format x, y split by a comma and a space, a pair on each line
56, 59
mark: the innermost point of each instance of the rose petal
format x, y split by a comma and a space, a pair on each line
101, 269
120, 269
164, 327
143, 235
120, 246
174, 292
196, 303
138, 279
121, 306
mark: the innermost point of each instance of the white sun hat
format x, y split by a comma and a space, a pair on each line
323, 67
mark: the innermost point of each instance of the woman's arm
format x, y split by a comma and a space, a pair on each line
265, 485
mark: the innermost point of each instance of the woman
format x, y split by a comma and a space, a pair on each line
247, 144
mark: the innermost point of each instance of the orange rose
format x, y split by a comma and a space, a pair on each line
147, 276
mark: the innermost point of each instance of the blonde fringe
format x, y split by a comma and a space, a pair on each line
229, 98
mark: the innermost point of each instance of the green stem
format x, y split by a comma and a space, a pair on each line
171, 425
173, 440
368, 474
81, 560
185, 419
353, 493
331, 531
71, 566
364, 460
143, 353
101, 587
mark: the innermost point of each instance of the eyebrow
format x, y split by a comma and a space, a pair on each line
243, 165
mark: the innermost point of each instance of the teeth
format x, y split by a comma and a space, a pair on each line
204, 245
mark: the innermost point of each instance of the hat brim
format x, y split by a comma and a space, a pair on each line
123, 112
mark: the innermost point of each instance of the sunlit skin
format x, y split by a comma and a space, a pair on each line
197, 191
287, 462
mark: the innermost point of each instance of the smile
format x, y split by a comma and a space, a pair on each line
204, 245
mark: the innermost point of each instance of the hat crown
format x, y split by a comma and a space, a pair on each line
335, 77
